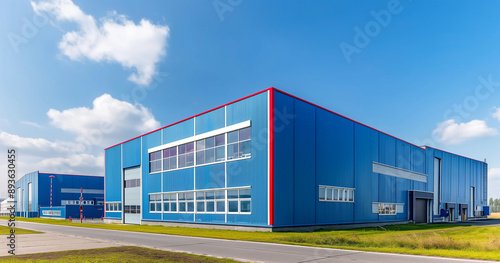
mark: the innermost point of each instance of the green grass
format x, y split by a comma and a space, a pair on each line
474, 242
5, 230
113, 254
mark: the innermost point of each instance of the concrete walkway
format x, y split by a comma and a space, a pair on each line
50, 242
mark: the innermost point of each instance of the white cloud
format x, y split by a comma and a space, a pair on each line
29, 123
37, 146
112, 39
496, 114
494, 183
451, 132
109, 121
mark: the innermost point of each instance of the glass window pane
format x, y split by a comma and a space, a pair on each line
200, 157
190, 206
151, 156
245, 149
245, 206
182, 196
329, 194
210, 155
119, 207
341, 193
190, 196
220, 194
221, 206
245, 134
173, 207
209, 195
190, 159
182, 207
233, 206
166, 153
245, 193
351, 195
335, 194
210, 206
220, 140
232, 137
152, 207
166, 164
200, 196
190, 147
173, 162
173, 197
219, 154
173, 151
107, 207
210, 142
166, 207
182, 149
200, 206
166, 197
158, 206
321, 193
200, 145
182, 161
232, 194
232, 151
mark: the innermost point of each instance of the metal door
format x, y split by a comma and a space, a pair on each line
421, 211
132, 196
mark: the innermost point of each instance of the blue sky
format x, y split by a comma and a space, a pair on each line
416, 75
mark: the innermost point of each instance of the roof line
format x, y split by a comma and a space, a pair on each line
426, 146
262, 91
73, 174
346, 117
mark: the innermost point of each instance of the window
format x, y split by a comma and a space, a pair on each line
132, 183
155, 203
77, 202
336, 194
170, 158
186, 155
170, 203
386, 209
132, 209
239, 201
211, 149
155, 162
239, 144
113, 206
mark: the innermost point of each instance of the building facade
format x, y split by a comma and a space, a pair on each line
33, 194
274, 160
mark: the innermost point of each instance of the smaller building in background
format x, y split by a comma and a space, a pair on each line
33, 195
5, 204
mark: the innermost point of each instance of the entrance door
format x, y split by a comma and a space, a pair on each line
472, 201
421, 211
132, 196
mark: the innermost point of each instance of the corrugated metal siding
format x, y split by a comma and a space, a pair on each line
179, 131
151, 183
210, 121
113, 174
132, 153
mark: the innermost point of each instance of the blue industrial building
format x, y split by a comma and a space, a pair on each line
33, 195
273, 160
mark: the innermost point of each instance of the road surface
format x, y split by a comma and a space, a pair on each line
240, 250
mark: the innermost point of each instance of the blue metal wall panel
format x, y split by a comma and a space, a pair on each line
403, 158
150, 183
132, 153
283, 160
387, 155
210, 121
418, 164
113, 174
304, 185
178, 131
178, 180
180, 217
366, 152
210, 176
210, 218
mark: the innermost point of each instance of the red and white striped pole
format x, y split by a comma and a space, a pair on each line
51, 195
81, 207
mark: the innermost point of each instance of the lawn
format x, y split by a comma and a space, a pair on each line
5, 230
113, 254
474, 242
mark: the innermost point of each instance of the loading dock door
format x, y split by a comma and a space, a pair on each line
132, 196
421, 211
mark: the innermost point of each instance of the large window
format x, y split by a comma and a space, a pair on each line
336, 194
386, 209
239, 144
207, 150
211, 149
113, 206
132, 183
238, 201
132, 209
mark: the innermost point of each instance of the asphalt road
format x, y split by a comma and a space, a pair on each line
240, 250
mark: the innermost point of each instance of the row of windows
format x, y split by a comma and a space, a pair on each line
208, 150
132, 209
113, 206
76, 202
386, 209
132, 183
219, 201
336, 194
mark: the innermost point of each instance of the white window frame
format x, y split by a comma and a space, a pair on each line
156, 202
341, 192
115, 206
376, 208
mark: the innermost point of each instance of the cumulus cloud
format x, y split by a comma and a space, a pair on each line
112, 39
451, 132
496, 114
37, 146
109, 121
